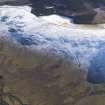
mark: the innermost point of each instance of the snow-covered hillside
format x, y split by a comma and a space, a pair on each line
56, 35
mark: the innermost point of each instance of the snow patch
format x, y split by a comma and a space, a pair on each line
52, 34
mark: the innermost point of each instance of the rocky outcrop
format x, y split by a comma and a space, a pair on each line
62, 6
41, 79
14, 2
100, 16
81, 11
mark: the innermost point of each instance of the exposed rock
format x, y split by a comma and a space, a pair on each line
82, 11
85, 18
14, 2
39, 79
99, 17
